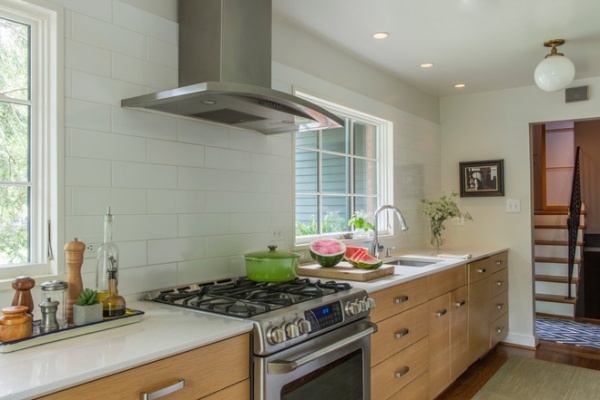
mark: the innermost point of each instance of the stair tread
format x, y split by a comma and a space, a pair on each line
556, 260
562, 211
555, 298
556, 242
555, 279
561, 226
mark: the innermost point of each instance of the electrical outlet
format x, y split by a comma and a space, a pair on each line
92, 247
276, 234
513, 205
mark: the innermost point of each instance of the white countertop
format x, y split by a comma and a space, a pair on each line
163, 331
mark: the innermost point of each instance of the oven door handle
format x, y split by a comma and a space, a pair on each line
285, 366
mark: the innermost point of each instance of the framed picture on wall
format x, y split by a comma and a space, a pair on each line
481, 178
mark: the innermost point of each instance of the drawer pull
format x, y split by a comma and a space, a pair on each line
403, 332
500, 306
500, 329
404, 371
499, 283
178, 385
499, 262
401, 299
441, 313
482, 270
460, 303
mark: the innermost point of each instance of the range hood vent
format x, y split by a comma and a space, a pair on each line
225, 72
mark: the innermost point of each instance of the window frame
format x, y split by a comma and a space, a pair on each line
46, 136
384, 161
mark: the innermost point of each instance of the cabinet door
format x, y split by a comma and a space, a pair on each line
459, 327
398, 298
479, 298
439, 344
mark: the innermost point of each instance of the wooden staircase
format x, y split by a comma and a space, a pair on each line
551, 264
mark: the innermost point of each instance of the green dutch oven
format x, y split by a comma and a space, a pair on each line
272, 266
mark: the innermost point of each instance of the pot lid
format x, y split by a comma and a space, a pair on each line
272, 254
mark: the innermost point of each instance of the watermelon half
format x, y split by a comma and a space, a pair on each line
327, 252
362, 260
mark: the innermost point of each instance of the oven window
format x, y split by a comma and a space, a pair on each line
342, 379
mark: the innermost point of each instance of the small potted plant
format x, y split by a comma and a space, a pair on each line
360, 225
87, 308
438, 211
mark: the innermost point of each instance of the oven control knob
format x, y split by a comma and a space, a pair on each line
370, 302
303, 326
275, 335
363, 306
352, 308
292, 331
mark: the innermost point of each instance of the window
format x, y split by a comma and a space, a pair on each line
29, 137
339, 172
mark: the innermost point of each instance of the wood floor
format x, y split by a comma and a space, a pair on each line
478, 374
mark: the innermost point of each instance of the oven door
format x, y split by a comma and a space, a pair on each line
335, 365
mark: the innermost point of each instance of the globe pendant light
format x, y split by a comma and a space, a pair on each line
556, 71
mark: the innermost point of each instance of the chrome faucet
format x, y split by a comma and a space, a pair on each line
375, 247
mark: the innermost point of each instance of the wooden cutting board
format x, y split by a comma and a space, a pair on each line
345, 271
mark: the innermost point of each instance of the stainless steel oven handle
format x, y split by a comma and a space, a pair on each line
284, 366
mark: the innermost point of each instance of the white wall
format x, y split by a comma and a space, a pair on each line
495, 125
190, 198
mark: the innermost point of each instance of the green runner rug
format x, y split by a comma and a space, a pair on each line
530, 379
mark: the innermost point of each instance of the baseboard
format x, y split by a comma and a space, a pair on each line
523, 341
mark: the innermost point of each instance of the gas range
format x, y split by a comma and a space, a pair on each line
284, 314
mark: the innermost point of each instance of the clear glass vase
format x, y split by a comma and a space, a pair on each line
436, 238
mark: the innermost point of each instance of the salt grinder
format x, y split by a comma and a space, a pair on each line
56, 290
48, 309
74, 257
23, 286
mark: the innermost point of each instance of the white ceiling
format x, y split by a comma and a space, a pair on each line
486, 44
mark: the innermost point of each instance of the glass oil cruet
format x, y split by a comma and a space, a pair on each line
107, 264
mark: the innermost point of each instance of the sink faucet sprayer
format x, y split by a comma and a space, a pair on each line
375, 247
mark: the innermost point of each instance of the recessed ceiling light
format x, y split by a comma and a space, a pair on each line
380, 35
459, 85
426, 65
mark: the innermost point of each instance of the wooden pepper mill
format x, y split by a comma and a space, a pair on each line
74, 257
15, 323
23, 286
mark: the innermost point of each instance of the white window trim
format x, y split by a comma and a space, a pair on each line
47, 21
385, 149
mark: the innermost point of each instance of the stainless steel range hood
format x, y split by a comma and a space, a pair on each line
225, 72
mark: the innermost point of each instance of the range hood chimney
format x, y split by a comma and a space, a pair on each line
225, 72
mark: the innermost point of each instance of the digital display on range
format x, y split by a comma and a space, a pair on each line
324, 316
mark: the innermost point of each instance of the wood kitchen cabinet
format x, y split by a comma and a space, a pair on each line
447, 310
488, 303
400, 349
217, 371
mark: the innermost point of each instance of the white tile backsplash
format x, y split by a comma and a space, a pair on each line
143, 72
173, 153
107, 146
176, 202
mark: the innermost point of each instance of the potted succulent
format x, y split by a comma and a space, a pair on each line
87, 308
438, 211
360, 225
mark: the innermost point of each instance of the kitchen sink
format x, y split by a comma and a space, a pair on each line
411, 263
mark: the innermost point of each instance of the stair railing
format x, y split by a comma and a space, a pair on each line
573, 220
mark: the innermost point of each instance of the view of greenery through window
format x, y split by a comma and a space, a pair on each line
336, 175
15, 184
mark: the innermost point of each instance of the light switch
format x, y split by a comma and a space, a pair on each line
513, 205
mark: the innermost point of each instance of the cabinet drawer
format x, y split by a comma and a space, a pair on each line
499, 282
396, 372
398, 298
499, 261
479, 270
498, 330
446, 281
418, 389
228, 365
398, 332
499, 305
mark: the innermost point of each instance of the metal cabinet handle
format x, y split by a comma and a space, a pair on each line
460, 303
178, 385
441, 313
499, 283
500, 329
500, 306
401, 299
482, 270
403, 332
404, 371
499, 262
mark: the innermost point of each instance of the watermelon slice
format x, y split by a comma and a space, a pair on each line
351, 251
327, 252
363, 260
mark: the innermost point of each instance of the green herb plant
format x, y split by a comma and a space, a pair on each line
438, 211
359, 221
